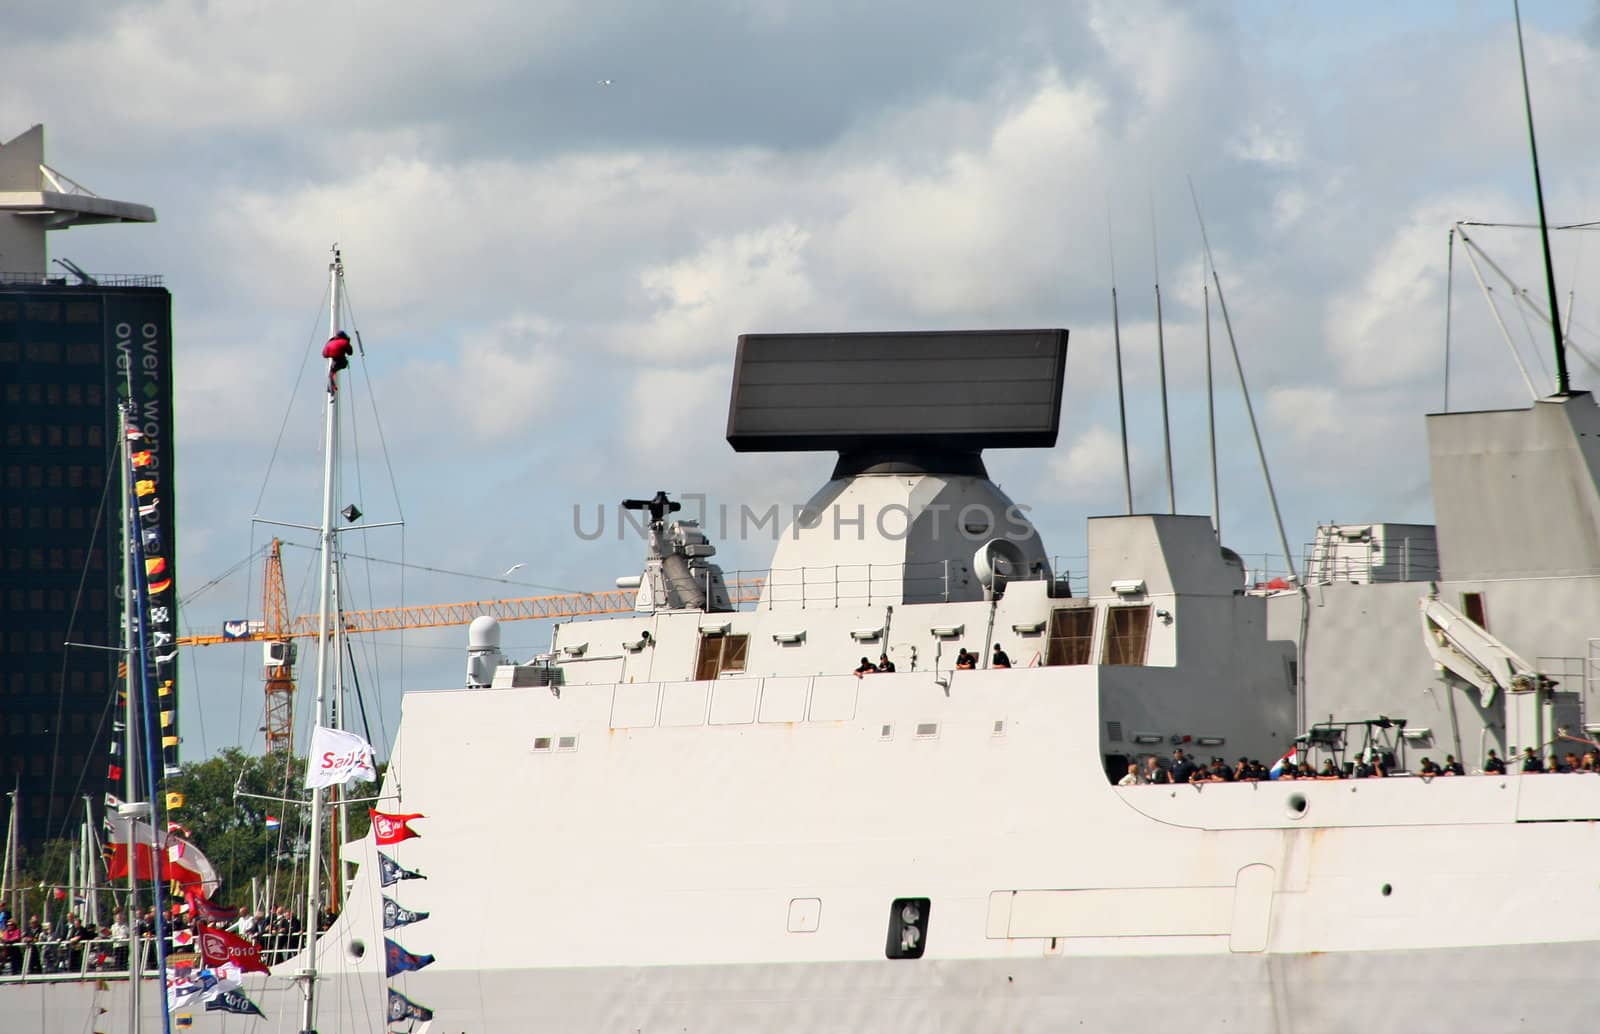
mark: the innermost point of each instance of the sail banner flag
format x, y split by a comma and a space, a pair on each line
337, 757
234, 1002
403, 1008
396, 914
219, 947
1289, 758
391, 829
391, 872
272, 823
398, 960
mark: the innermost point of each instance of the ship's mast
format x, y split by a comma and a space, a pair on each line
130, 769
330, 454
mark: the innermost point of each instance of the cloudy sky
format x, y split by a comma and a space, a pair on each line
557, 217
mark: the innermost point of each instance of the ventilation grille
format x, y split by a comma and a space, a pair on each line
1114, 732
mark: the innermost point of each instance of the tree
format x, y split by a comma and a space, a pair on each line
227, 800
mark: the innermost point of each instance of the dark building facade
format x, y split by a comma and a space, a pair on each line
69, 355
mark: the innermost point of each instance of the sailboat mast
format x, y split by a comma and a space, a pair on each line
1562, 384
330, 441
130, 769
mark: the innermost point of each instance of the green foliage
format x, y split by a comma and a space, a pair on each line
227, 799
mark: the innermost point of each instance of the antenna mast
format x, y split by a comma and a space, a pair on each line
1161, 361
1116, 338
1563, 387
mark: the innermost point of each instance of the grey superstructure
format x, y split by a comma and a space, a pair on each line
717, 826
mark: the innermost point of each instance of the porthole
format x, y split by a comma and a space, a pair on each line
1296, 806
357, 949
1386, 890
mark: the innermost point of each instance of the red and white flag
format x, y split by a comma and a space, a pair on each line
190, 868
391, 829
221, 948
133, 844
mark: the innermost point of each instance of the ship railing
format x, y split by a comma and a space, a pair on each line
848, 585
12, 279
65, 961
1403, 559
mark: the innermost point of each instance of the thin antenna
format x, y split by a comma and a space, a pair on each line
1161, 361
1449, 292
1266, 474
1562, 385
1211, 416
1116, 337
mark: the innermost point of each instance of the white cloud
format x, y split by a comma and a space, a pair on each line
1092, 464
755, 280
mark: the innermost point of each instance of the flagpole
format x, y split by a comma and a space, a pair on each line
130, 770
330, 449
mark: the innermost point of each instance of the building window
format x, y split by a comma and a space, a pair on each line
720, 653
1127, 634
1472, 607
1071, 636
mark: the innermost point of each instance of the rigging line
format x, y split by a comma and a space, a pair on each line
219, 579
95, 531
1488, 295
1518, 294
1591, 225
457, 574
199, 697
361, 700
1528, 304
1516, 289
288, 410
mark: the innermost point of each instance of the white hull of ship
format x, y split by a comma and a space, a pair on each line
1526, 987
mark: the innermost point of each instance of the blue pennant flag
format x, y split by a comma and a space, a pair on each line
403, 1008
398, 960
390, 871
394, 914
233, 1001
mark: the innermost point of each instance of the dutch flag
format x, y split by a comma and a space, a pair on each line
272, 822
1291, 757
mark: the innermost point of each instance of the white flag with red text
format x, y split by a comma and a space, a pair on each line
338, 757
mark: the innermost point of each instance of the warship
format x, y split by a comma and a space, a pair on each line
706, 818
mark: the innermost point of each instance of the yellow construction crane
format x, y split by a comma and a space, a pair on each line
279, 632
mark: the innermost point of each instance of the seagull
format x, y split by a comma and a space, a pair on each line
510, 570
602, 82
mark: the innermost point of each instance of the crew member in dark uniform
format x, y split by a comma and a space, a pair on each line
1000, 659
884, 664
865, 668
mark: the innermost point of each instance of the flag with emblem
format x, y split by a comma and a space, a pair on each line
391, 872
391, 829
403, 1008
396, 914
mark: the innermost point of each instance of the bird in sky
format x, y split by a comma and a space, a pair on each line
602, 82
512, 569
